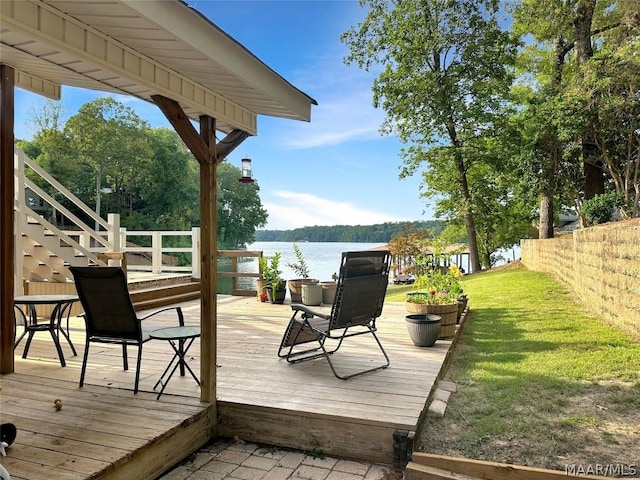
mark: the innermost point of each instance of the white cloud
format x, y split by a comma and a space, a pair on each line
345, 108
294, 209
345, 116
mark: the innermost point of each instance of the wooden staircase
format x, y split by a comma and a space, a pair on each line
48, 251
46, 257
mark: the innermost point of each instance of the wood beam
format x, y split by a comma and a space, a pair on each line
183, 127
198, 144
208, 250
7, 238
229, 143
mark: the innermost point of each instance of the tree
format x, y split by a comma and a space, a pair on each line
607, 101
111, 141
169, 195
239, 209
444, 80
152, 176
559, 27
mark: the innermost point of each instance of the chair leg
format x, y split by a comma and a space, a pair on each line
135, 388
56, 341
28, 344
373, 369
15, 331
125, 357
84, 362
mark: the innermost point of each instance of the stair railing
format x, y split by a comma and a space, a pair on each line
104, 241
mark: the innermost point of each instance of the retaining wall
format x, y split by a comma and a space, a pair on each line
601, 264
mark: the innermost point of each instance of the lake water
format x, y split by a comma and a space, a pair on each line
323, 259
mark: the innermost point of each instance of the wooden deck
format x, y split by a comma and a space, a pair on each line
105, 431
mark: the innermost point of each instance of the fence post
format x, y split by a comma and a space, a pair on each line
18, 222
123, 240
195, 252
156, 252
113, 235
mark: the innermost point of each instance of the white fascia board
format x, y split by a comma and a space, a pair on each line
38, 85
47, 24
196, 30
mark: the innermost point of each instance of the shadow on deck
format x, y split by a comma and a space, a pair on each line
105, 431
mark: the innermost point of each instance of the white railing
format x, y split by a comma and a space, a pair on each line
88, 241
157, 251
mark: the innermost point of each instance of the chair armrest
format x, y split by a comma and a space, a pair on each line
308, 312
177, 309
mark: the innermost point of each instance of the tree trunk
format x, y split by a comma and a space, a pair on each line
467, 213
549, 169
592, 169
545, 228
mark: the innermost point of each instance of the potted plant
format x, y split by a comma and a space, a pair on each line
271, 276
301, 269
437, 292
424, 329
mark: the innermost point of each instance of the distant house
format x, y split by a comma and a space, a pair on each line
37, 204
567, 223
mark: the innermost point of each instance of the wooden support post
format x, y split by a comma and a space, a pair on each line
204, 148
208, 250
402, 448
7, 237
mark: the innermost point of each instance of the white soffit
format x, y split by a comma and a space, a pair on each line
144, 48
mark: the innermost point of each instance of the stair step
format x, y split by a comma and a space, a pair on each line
149, 298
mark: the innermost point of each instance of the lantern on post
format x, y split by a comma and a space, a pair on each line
246, 171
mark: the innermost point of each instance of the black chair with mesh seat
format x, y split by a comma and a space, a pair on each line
362, 285
109, 314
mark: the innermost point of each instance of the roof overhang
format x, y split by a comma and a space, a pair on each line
144, 48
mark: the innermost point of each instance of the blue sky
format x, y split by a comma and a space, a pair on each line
336, 169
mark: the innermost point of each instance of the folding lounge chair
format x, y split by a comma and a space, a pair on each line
109, 314
360, 292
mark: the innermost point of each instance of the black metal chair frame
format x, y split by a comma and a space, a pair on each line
53, 326
98, 313
362, 285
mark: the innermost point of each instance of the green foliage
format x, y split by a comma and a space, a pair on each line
152, 179
601, 208
317, 454
437, 285
445, 78
379, 233
270, 272
528, 358
300, 267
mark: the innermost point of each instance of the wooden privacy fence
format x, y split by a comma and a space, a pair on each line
600, 264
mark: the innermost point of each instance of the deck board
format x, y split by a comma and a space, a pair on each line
104, 426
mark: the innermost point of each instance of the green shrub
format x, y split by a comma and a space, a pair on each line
600, 208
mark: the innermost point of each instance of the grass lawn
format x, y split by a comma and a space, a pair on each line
539, 382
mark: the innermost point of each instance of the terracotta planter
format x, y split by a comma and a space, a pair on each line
328, 292
260, 290
424, 330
